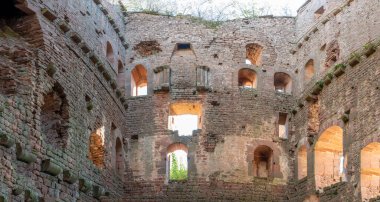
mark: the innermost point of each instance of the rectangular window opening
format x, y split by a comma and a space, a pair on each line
283, 125
183, 46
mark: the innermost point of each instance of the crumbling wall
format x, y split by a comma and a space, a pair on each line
234, 121
347, 99
56, 44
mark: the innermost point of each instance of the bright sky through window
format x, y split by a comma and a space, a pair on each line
185, 124
181, 158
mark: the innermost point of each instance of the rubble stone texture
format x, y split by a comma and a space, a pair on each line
66, 96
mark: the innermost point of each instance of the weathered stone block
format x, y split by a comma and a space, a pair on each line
98, 191
75, 37
31, 196
100, 66
84, 185
48, 14
6, 141
84, 47
106, 75
94, 58
69, 177
23, 155
317, 88
47, 166
103, 9
328, 78
339, 69
63, 26
369, 49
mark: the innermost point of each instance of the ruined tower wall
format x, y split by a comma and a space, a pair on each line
51, 52
348, 26
235, 121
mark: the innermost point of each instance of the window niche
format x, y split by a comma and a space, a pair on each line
110, 54
263, 162
55, 117
370, 171
120, 75
185, 118
309, 71
302, 162
329, 157
253, 54
282, 125
202, 83
247, 78
119, 157
139, 81
177, 162
282, 83
96, 147
162, 78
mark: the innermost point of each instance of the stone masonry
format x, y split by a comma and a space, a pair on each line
287, 107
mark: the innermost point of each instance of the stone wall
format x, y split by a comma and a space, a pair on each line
65, 100
352, 94
54, 98
235, 121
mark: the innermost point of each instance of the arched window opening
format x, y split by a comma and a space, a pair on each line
309, 71
54, 117
120, 75
119, 157
96, 148
302, 162
109, 53
282, 82
329, 157
370, 171
263, 161
253, 54
177, 162
185, 118
139, 81
247, 78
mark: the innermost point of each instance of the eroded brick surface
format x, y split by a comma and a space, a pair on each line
66, 95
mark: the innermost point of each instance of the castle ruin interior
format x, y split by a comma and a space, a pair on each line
100, 104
